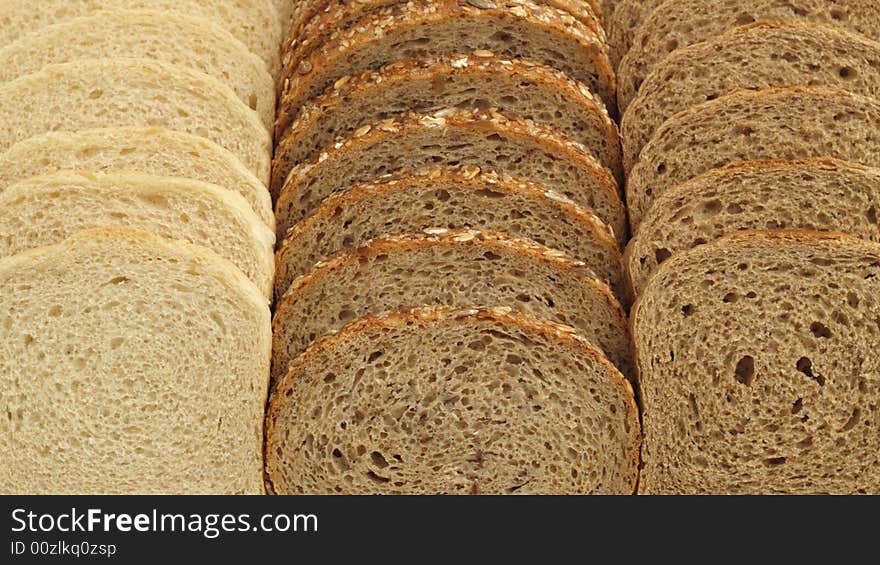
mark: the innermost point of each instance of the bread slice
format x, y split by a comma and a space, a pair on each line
252, 22
756, 56
150, 150
471, 138
444, 401
132, 92
809, 194
624, 23
48, 209
773, 123
130, 364
527, 30
518, 89
757, 364
678, 23
448, 198
459, 268
190, 41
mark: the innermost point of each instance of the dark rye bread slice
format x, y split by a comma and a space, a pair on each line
314, 22
757, 359
756, 56
467, 138
624, 23
459, 268
516, 88
437, 400
772, 123
527, 30
448, 198
679, 23
809, 194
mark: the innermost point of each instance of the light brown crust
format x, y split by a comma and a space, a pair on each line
565, 335
432, 66
381, 23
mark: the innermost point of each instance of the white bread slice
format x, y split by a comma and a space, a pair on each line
190, 41
48, 209
755, 56
757, 358
437, 400
771, 123
151, 150
443, 197
130, 364
475, 139
459, 268
519, 89
809, 194
253, 22
520, 29
678, 23
132, 92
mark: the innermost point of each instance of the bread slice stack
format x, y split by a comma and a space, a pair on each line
750, 151
449, 215
136, 245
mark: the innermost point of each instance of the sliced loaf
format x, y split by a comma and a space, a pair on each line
130, 364
476, 401
48, 209
132, 92
517, 89
773, 123
758, 366
154, 151
810, 194
448, 198
471, 138
190, 41
756, 56
678, 23
253, 22
527, 30
459, 268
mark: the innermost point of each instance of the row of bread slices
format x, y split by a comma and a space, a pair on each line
455, 154
136, 245
755, 349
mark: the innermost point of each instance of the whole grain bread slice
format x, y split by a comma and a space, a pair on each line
757, 359
96, 93
469, 138
518, 89
190, 41
448, 198
150, 150
130, 364
808, 194
253, 22
437, 400
48, 209
624, 23
459, 268
527, 30
678, 23
772, 123
755, 56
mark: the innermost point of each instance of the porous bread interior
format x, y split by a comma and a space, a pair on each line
384, 276
624, 23
758, 367
130, 365
817, 194
784, 123
753, 57
150, 150
679, 23
174, 208
362, 213
456, 406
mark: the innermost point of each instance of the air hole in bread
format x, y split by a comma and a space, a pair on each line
852, 299
820, 330
745, 371
687, 310
871, 214
730, 298
744, 19
661, 255
847, 73
775, 461
853, 420
805, 366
